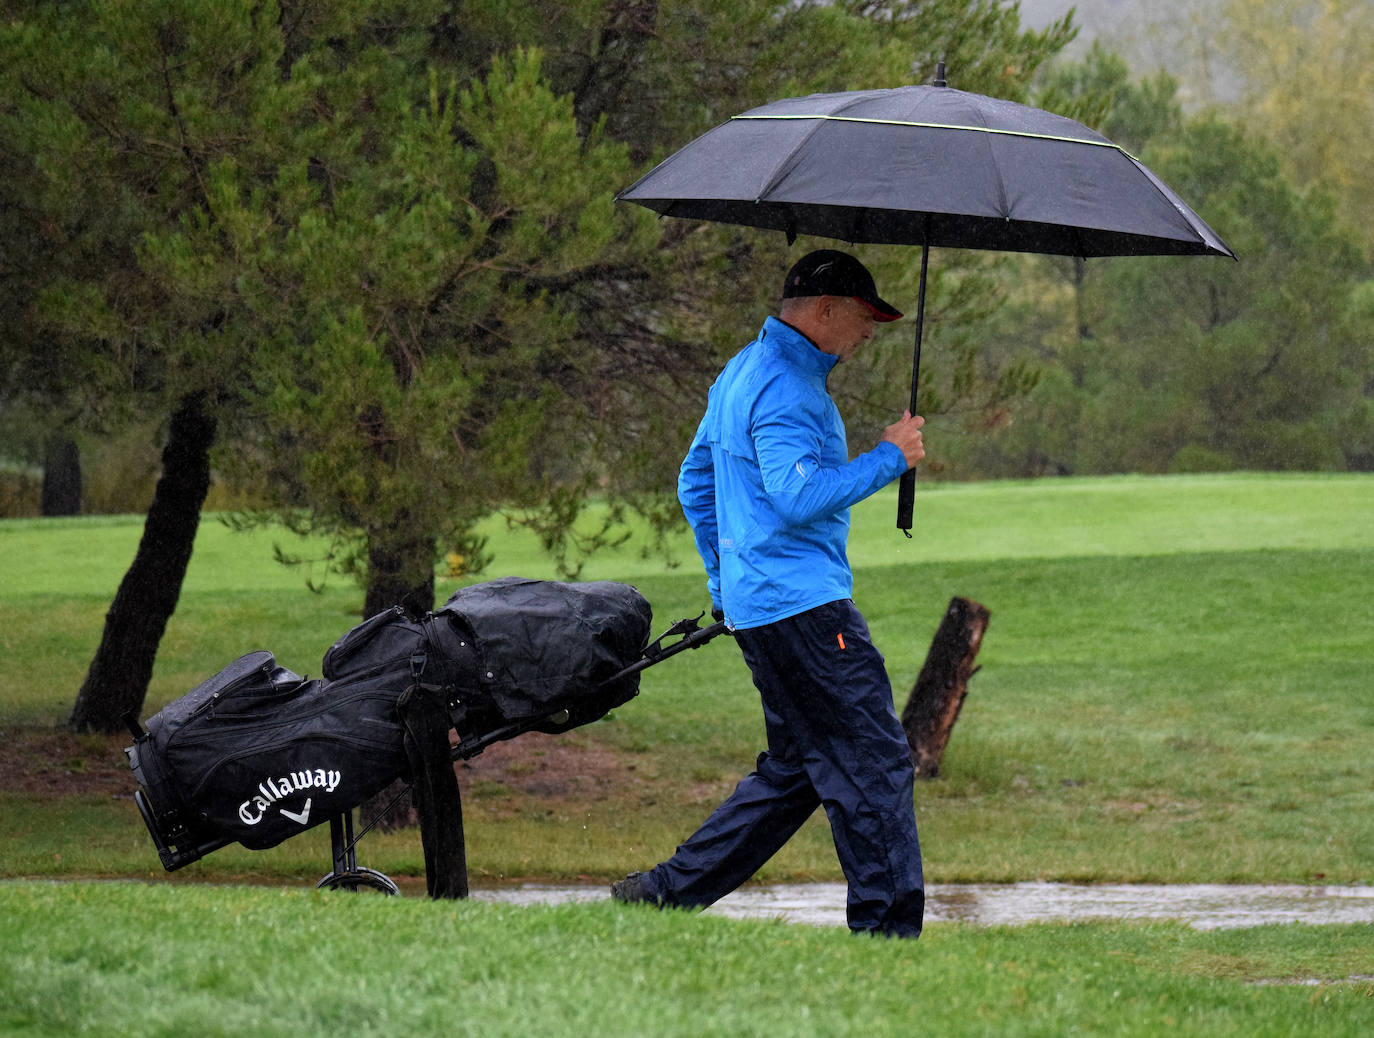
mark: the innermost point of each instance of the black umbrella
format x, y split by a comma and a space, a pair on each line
928, 166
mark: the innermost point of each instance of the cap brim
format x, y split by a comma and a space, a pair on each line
882, 310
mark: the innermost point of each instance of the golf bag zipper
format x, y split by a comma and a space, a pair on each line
341, 739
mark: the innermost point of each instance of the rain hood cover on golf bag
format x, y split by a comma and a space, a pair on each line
546, 646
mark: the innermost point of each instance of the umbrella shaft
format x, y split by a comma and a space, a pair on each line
920, 327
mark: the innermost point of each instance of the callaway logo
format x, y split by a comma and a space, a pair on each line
252, 810
303, 817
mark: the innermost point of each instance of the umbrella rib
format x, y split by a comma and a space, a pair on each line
790, 158
940, 126
780, 171
992, 162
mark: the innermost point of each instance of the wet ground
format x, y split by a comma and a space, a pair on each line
1202, 906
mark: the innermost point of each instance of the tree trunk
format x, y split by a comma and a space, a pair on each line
61, 494
939, 693
117, 680
400, 572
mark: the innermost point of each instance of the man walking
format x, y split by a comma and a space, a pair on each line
766, 487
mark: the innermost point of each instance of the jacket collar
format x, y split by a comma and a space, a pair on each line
797, 348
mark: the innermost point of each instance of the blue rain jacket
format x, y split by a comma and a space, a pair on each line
767, 482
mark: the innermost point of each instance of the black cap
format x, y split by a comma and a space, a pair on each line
829, 272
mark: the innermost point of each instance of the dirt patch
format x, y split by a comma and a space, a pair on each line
53, 763
552, 769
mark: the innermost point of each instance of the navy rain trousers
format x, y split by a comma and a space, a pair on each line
834, 740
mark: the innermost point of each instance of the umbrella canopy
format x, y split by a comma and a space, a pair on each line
926, 165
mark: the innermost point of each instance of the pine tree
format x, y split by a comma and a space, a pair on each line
371, 251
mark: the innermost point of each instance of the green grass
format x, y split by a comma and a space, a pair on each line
164, 960
1175, 687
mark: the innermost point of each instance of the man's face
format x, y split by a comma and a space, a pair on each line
849, 324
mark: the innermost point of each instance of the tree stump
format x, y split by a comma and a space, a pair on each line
939, 693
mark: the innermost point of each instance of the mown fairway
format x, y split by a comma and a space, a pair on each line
1176, 686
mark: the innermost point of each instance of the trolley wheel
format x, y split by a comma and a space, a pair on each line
358, 878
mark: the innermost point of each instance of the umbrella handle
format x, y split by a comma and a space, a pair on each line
906, 501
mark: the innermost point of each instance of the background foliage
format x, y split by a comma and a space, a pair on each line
385, 238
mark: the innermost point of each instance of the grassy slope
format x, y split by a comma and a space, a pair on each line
1174, 686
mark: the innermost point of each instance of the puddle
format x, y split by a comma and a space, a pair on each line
1202, 906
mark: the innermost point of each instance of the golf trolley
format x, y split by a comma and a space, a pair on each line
258, 754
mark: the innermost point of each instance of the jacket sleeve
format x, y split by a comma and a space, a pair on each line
696, 492
791, 439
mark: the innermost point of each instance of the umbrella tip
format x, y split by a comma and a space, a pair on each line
940, 74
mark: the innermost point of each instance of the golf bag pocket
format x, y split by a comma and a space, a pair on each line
380, 643
257, 754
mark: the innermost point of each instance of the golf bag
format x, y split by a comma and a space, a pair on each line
258, 754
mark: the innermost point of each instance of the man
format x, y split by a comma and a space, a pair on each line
766, 487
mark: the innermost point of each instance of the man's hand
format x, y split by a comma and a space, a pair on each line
906, 435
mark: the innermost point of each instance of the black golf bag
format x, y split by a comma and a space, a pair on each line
258, 754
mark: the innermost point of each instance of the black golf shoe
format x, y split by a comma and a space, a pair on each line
631, 891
